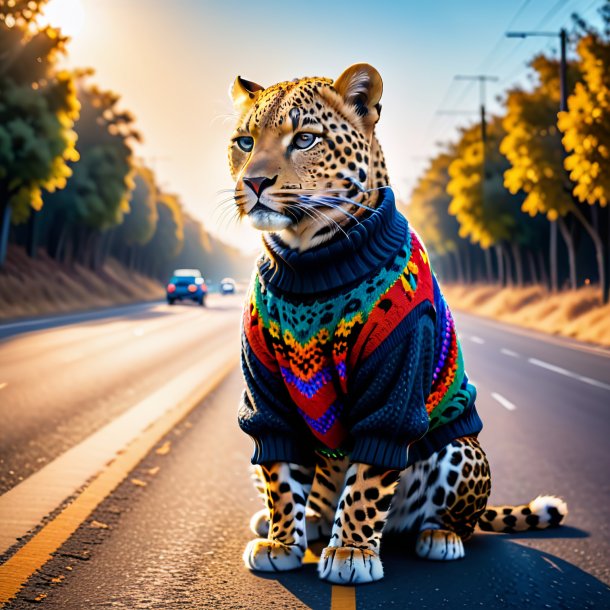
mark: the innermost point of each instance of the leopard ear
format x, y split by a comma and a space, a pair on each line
244, 93
361, 87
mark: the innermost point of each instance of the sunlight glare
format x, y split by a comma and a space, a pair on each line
67, 15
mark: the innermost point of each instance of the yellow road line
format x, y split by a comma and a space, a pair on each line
343, 598
35, 553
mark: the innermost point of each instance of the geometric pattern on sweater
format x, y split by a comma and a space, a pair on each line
314, 347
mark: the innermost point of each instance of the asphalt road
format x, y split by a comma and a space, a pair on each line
63, 377
172, 534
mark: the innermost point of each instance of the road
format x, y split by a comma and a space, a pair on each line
171, 535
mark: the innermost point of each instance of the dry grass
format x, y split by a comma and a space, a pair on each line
43, 286
571, 314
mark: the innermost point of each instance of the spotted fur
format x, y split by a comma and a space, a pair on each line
308, 195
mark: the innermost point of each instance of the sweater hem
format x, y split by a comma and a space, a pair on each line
468, 424
379, 451
273, 448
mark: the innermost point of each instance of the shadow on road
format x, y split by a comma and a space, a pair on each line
497, 572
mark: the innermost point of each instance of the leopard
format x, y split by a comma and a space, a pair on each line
308, 169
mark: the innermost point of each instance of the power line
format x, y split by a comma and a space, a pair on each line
501, 39
551, 12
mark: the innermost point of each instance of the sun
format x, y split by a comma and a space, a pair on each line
67, 15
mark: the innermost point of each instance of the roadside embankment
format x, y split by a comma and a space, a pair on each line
30, 287
577, 314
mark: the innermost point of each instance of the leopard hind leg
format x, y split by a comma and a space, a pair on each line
441, 499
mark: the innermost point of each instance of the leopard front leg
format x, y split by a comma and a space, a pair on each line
286, 490
353, 552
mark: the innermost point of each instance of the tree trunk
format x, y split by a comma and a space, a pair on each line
544, 278
467, 270
5, 227
508, 277
31, 243
518, 264
489, 266
599, 250
569, 240
553, 256
532, 267
500, 261
61, 240
459, 272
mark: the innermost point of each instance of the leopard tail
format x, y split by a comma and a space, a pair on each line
539, 514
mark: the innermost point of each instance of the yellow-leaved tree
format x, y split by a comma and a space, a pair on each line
586, 132
487, 213
533, 146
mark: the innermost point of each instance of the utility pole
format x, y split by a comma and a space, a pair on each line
482, 78
563, 105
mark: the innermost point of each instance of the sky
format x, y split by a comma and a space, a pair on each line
173, 62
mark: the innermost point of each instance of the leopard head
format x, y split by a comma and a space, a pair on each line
304, 155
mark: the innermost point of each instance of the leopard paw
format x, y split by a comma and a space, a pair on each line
317, 527
272, 556
439, 545
259, 523
345, 565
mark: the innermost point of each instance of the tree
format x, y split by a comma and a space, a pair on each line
20, 12
140, 223
97, 196
586, 131
487, 213
38, 108
533, 146
168, 240
428, 213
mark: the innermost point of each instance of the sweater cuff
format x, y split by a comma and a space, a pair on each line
380, 451
274, 448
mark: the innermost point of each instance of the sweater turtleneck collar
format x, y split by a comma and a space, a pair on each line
342, 261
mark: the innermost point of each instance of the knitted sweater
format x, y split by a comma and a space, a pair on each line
350, 348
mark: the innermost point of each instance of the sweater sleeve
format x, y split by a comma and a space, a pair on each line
392, 386
265, 413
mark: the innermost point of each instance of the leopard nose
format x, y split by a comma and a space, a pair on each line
258, 185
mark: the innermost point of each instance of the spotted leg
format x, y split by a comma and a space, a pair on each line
353, 552
286, 490
321, 504
440, 499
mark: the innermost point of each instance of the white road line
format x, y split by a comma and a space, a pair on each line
566, 373
509, 352
477, 340
3, 385
507, 404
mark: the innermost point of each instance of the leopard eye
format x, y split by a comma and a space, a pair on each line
246, 143
303, 141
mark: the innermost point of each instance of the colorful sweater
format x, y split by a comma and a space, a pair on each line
350, 347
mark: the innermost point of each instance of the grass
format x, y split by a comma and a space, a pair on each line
31, 287
577, 314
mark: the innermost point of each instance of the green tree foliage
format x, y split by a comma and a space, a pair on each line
140, 223
38, 108
97, 196
168, 239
